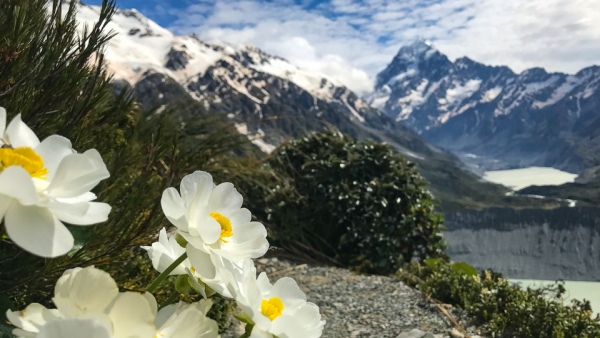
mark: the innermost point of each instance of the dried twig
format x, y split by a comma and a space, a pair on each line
450, 317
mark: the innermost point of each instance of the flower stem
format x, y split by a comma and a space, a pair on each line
166, 273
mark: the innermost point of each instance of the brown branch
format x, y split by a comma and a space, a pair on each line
450, 317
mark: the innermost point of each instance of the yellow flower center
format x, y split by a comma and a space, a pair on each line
225, 223
24, 157
271, 308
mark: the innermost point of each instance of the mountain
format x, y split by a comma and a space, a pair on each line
490, 116
268, 99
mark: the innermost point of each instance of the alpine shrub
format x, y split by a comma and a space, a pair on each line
360, 204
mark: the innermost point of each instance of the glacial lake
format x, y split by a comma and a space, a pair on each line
574, 290
520, 178
517, 179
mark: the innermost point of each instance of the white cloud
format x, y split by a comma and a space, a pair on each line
352, 40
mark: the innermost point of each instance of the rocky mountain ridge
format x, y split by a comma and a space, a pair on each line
267, 98
490, 115
249, 85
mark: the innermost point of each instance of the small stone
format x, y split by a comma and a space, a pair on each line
454, 333
415, 333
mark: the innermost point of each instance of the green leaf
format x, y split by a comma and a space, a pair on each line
433, 263
182, 284
244, 318
464, 268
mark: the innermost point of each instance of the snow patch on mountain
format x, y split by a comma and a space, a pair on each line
256, 138
139, 44
414, 99
535, 87
310, 81
459, 92
490, 94
379, 98
411, 72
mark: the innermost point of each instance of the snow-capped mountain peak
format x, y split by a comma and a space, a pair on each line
473, 108
418, 49
409, 62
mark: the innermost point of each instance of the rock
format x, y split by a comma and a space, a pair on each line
454, 333
177, 59
415, 333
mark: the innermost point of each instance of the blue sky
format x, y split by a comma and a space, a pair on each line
354, 39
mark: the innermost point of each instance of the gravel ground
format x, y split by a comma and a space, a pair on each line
362, 305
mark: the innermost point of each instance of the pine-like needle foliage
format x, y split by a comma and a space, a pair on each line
53, 74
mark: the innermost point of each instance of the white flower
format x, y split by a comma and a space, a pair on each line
211, 218
74, 327
208, 269
91, 295
278, 309
218, 230
43, 184
184, 320
166, 251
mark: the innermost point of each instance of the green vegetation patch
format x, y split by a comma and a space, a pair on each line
500, 308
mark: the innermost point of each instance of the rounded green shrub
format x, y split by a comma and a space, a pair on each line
360, 204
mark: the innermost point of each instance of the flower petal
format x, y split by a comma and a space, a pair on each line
85, 213
36, 230
5, 202
152, 302
202, 263
53, 150
249, 249
240, 216
77, 174
2, 122
225, 197
187, 321
196, 188
208, 268
20, 135
174, 208
166, 251
287, 289
32, 317
131, 315
310, 318
84, 291
16, 183
257, 332
264, 285
247, 232
74, 327
289, 327
207, 227
308, 323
